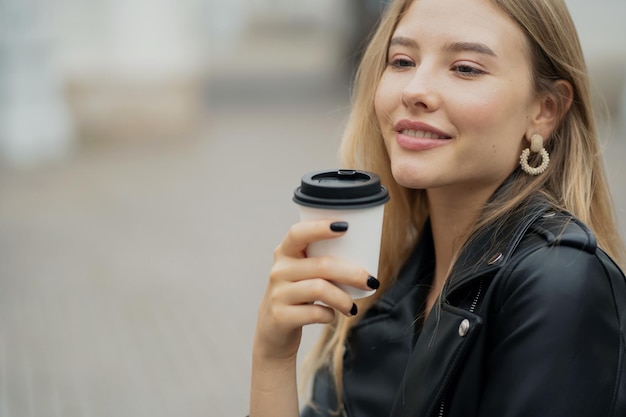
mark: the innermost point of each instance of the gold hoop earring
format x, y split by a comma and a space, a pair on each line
536, 146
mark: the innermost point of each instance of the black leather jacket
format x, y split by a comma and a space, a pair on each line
532, 323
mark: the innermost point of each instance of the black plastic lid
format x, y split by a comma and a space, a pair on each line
341, 189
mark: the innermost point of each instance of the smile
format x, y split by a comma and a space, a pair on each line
420, 140
422, 134
419, 130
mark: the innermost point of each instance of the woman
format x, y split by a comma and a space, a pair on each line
497, 296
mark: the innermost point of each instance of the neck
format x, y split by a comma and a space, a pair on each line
451, 217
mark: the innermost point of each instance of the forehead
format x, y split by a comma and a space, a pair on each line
451, 21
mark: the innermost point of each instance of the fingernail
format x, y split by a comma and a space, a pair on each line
354, 310
339, 226
373, 283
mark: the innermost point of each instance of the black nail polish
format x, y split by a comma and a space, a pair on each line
373, 283
339, 226
354, 310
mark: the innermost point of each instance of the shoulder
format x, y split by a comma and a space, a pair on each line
558, 264
561, 229
555, 315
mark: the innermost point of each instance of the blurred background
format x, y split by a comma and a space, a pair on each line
148, 152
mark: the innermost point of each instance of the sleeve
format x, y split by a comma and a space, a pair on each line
556, 344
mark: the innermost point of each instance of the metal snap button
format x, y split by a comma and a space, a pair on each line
496, 258
464, 327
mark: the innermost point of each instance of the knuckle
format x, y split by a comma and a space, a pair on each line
276, 314
292, 234
274, 277
317, 288
279, 272
276, 272
322, 315
278, 251
324, 265
274, 299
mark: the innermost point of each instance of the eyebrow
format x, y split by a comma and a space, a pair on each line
402, 41
477, 47
480, 48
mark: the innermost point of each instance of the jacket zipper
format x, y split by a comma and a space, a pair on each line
475, 302
442, 405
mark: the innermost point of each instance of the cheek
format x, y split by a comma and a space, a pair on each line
381, 104
494, 125
494, 111
384, 106
388, 98
482, 108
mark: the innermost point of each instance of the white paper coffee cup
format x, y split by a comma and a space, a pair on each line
356, 197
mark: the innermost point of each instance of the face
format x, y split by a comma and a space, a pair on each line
455, 100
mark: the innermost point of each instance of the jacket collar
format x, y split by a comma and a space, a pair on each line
492, 247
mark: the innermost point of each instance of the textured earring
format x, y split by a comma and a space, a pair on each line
536, 145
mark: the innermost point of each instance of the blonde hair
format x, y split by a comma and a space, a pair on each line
574, 181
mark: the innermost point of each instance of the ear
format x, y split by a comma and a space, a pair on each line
550, 108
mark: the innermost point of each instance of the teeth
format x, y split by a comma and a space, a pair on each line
421, 134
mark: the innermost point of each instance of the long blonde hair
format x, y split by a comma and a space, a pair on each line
574, 181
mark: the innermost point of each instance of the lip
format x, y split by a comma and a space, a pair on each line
419, 143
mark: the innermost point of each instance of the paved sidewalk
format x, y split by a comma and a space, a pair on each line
130, 276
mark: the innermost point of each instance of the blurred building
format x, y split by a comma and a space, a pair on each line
35, 122
143, 68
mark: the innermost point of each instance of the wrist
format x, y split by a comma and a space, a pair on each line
265, 358
267, 351
274, 387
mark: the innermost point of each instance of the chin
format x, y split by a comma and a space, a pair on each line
409, 177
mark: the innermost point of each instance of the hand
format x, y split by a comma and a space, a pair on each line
297, 282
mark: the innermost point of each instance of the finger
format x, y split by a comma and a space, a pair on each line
336, 270
302, 315
300, 235
279, 327
316, 290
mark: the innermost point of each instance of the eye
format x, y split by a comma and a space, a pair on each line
400, 63
466, 70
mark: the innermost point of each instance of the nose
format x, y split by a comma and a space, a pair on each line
421, 91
